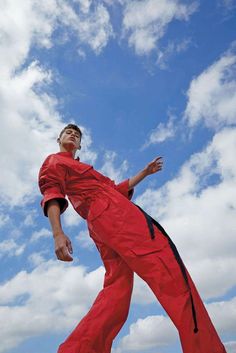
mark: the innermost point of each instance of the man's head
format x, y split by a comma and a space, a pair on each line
69, 138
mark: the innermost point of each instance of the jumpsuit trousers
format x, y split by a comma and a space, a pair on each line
130, 241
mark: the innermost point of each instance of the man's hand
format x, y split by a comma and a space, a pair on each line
63, 247
154, 166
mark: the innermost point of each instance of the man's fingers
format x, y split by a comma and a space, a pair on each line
66, 255
158, 158
63, 255
157, 162
69, 246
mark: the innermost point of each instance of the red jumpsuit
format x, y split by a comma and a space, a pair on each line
128, 241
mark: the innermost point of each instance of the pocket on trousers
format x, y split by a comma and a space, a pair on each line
160, 258
150, 246
97, 208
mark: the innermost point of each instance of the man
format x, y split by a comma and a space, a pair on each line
129, 241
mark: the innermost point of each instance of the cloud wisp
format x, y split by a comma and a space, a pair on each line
29, 309
212, 95
145, 22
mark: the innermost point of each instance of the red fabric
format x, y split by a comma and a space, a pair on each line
121, 235
62, 175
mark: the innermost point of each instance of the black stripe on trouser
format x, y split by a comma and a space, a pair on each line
150, 222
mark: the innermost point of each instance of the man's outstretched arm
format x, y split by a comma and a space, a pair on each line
63, 247
151, 168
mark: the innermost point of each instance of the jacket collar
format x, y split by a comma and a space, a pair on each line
67, 154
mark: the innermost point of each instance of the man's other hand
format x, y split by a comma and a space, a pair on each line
63, 247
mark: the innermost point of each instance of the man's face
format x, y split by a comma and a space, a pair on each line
70, 139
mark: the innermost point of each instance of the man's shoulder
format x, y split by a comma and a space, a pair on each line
49, 158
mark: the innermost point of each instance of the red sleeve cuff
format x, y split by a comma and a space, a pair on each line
63, 203
123, 188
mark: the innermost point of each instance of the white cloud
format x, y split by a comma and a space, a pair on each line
30, 218
211, 98
42, 233
161, 133
198, 210
84, 5
71, 217
142, 294
231, 347
212, 95
36, 259
29, 120
63, 297
11, 248
29, 114
151, 332
109, 169
3, 219
34, 22
85, 241
92, 28
145, 22
158, 331
223, 314
172, 47
25, 123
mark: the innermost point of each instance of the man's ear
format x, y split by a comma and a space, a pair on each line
58, 140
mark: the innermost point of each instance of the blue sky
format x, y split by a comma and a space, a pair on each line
142, 79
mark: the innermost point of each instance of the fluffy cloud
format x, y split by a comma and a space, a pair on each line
142, 294
71, 217
224, 323
30, 218
161, 133
172, 47
62, 299
93, 27
151, 332
197, 208
3, 219
30, 124
11, 248
85, 241
34, 22
42, 233
30, 120
36, 259
109, 169
231, 347
58, 303
212, 95
158, 331
145, 22
211, 100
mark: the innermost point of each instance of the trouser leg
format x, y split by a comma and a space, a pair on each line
148, 253
154, 261
96, 331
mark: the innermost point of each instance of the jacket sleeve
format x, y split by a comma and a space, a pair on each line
123, 188
52, 183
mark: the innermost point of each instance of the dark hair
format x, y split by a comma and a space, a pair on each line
71, 126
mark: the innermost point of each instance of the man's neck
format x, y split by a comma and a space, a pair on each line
63, 149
